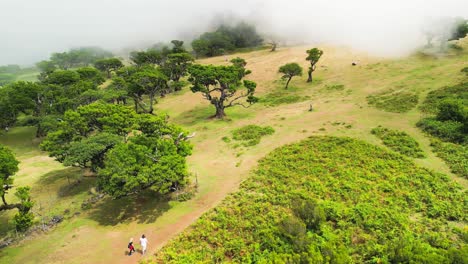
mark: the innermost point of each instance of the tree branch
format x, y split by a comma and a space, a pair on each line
235, 99
5, 207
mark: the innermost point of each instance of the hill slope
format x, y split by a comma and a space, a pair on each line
339, 95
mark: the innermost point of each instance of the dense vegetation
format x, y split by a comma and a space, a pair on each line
331, 200
435, 97
226, 39
448, 123
450, 106
87, 126
251, 134
131, 152
393, 101
79, 57
455, 155
399, 141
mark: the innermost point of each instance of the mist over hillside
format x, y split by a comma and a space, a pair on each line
31, 30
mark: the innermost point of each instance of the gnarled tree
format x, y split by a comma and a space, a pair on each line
313, 56
222, 86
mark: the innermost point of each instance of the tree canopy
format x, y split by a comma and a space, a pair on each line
226, 38
130, 152
108, 65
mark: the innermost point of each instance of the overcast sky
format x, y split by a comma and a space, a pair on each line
32, 29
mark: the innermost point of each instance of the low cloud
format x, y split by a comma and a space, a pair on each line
31, 30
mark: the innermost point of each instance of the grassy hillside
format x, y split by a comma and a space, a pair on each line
338, 95
360, 204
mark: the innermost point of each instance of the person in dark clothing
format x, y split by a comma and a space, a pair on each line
131, 248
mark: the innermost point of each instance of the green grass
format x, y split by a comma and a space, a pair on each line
360, 204
456, 156
393, 101
55, 189
399, 141
282, 96
333, 87
250, 135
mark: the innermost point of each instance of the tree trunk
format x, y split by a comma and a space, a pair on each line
151, 96
109, 74
287, 83
40, 131
3, 199
310, 75
136, 104
219, 112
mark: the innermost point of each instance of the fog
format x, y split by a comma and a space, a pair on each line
32, 29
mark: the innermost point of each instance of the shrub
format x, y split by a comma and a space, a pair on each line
433, 98
399, 141
451, 131
452, 110
310, 212
23, 221
456, 156
393, 101
251, 134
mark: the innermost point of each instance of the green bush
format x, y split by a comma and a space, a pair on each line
311, 213
452, 110
251, 134
434, 98
393, 101
370, 197
456, 156
399, 141
451, 131
23, 221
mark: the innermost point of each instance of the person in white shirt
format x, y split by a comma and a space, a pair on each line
143, 243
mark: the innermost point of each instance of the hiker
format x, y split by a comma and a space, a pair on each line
131, 248
143, 243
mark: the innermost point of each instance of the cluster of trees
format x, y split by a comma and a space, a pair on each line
226, 38
44, 102
9, 73
290, 70
23, 219
92, 127
78, 57
130, 152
